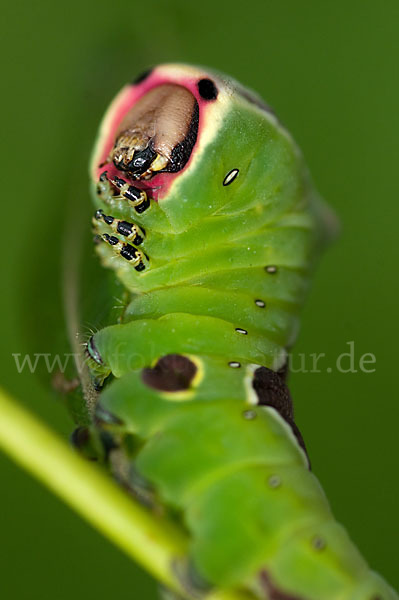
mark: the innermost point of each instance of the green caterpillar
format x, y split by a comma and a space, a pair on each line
206, 213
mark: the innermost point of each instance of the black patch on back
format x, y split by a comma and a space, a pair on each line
207, 89
172, 373
271, 390
142, 77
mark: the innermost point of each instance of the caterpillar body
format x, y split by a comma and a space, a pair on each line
205, 211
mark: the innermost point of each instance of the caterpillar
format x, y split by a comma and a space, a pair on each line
206, 213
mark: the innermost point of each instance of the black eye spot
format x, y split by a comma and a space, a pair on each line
207, 89
142, 77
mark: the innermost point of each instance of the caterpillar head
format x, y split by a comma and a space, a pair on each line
197, 142
156, 123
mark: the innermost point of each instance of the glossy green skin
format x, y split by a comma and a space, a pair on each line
238, 480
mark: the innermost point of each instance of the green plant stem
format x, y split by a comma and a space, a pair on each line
152, 541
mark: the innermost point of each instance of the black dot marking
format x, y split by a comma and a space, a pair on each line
242, 331
274, 481
172, 373
142, 77
231, 175
128, 252
249, 415
93, 352
108, 219
318, 543
234, 364
124, 228
272, 269
207, 89
260, 303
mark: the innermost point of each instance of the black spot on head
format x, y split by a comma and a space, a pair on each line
142, 77
172, 373
207, 89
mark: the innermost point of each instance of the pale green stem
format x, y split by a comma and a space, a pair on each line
150, 540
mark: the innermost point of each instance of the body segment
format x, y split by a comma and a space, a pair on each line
205, 211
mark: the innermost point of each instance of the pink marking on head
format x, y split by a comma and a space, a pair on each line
158, 185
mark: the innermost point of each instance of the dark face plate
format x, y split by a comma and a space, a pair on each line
158, 133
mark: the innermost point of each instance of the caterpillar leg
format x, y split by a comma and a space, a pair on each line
105, 226
129, 231
117, 188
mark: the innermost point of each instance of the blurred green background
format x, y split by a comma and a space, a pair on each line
330, 71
